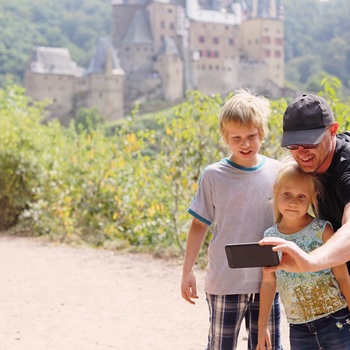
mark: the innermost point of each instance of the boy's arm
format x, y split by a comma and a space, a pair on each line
267, 295
195, 240
340, 272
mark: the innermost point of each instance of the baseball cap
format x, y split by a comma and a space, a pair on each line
305, 120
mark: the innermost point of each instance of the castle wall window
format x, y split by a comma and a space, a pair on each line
278, 54
172, 27
231, 41
266, 40
267, 53
208, 53
215, 40
201, 39
278, 41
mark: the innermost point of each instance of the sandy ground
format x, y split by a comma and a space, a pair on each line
56, 297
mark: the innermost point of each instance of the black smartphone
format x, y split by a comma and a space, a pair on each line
251, 255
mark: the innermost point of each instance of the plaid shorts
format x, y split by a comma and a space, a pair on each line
226, 315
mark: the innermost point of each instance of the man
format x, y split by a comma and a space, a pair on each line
309, 132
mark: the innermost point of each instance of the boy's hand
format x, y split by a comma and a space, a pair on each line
189, 287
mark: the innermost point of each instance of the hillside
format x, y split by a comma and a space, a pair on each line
317, 35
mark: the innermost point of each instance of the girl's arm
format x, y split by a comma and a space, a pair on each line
340, 272
267, 295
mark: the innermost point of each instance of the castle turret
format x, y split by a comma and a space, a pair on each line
105, 80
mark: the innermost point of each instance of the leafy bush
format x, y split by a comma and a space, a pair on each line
107, 188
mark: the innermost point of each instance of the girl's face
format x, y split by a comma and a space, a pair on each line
244, 143
293, 199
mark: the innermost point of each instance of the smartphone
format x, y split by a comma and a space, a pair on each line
251, 255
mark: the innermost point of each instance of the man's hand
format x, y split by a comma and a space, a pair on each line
293, 258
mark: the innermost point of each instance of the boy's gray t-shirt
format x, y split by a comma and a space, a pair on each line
238, 201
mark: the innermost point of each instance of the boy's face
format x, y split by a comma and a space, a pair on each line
244, 142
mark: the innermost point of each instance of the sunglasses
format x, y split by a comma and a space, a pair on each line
304, 145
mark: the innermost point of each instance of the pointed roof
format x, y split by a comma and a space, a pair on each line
169, 47
139, 31
104, 50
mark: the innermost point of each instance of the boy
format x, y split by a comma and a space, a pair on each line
236, 195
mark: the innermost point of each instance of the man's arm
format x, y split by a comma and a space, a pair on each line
334, 252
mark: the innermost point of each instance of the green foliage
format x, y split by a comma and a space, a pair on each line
82, 184
317, 37
88, 119
74, 24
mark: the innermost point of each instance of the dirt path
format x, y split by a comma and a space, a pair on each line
58, 297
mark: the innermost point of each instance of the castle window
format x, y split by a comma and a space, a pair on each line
100, 94
231, 41
208, 53
278, 41
266, 40
216, 54
162, 24
172, 26
201, 39
267, 53
215, 40
210, 67
278, 54
170, 10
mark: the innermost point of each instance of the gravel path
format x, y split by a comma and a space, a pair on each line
55, 297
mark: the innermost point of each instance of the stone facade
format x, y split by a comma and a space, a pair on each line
52, 75
216, 46
162, 48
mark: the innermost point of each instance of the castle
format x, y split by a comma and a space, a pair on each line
162, 48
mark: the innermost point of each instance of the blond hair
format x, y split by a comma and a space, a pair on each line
290, 171
246, 109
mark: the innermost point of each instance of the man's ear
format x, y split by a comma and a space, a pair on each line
334, 128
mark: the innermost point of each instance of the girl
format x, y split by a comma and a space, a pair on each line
316, 304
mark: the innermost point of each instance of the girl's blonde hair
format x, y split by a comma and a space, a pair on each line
246, 109
290, 171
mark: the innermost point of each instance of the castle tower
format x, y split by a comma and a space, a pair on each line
262, 40
51, 74
170, 68
105, 81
